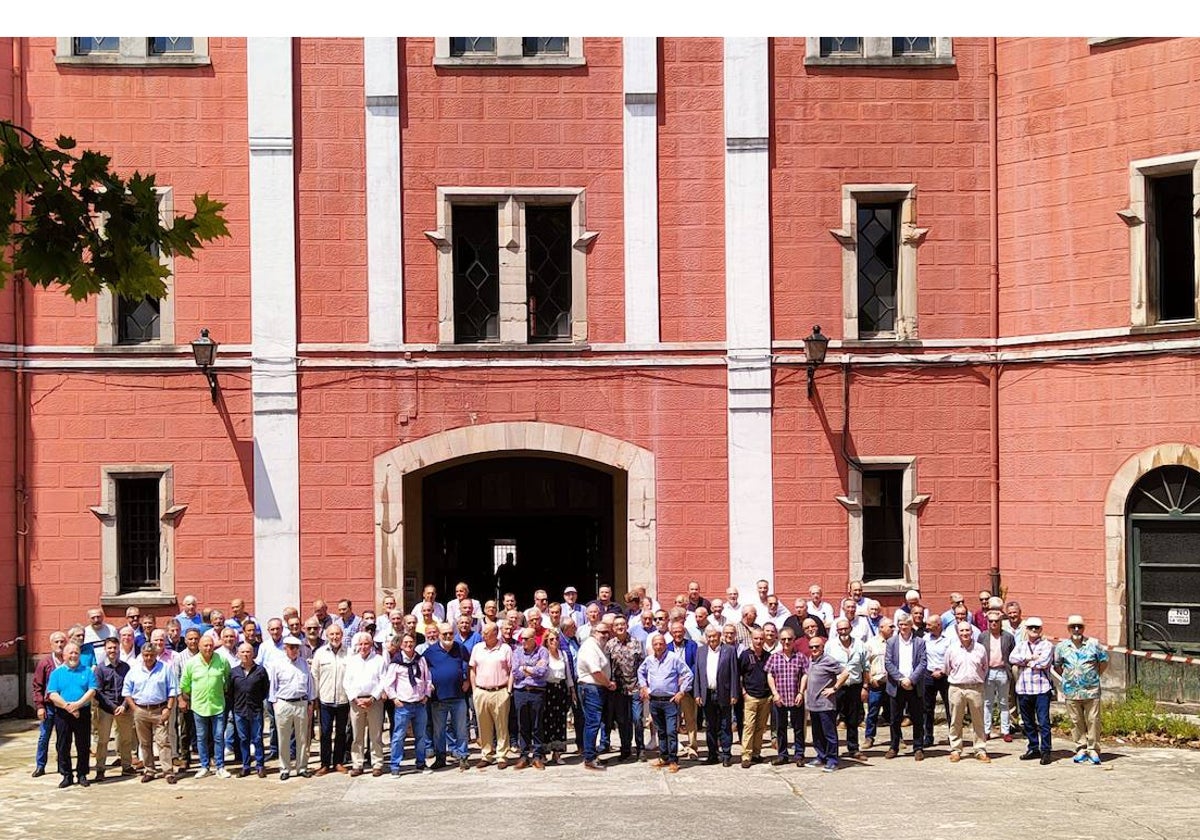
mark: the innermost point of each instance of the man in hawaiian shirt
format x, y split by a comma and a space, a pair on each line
1081, 662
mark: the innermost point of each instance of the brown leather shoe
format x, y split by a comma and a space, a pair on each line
672, 768
658, 763
593, 765
919, 755
357, 771
502, 763
341, 768
983, 757
955, 757
262, 773
172, 778
377, 772
538, 764
147, 777
890, 754
324, 771
522, 764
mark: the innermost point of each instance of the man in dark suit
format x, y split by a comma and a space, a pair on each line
905, 663
715, 684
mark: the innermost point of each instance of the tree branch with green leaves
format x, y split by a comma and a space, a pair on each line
85, 227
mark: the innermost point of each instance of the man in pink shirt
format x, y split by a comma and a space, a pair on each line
491, 688
966, 669
406, 682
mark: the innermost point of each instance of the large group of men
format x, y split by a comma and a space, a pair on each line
205, 688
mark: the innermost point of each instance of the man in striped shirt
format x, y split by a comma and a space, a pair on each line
1034, 656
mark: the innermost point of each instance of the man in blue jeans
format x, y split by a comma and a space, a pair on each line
407, 682
250, 686
1034, 657
449, 669
664, 679
595, 678
45, 709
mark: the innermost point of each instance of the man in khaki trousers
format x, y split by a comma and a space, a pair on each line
111, 711
151, 691
966, 670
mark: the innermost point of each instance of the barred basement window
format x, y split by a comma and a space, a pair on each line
879, 52
132, 51
476, 274
90, 46
508, 52
831, 47
170, 46
914, 46
138, 533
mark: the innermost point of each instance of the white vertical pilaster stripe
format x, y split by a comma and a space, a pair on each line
385, 271
641, 190
273, 325
748, 311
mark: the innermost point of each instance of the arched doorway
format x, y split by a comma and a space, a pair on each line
401, 473
1163, 512
553, 518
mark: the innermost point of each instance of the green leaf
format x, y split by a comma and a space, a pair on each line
65, 142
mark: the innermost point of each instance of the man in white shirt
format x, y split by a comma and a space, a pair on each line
911, 598
776, 612
429, 596
818, 607
293, 695
455, 608
595, 680
763, 588
733, 608
860, 629
329, 672
363, 676
96, 631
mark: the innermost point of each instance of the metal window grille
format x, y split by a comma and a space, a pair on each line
833, 47
914, 46
91, 46
544, 46
878, 256
476, 274
883, 524
548, 277
172, 46
138, 321
472, 46
138, 533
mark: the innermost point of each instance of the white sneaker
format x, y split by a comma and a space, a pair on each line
427, 771
222, 773
202, 772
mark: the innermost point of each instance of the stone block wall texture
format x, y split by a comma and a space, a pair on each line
349, 418
835, 126
188, 126
1071, 119
462, 127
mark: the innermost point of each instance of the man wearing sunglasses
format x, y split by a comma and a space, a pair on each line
1034, 656
1081, 662
998, 644
820, 687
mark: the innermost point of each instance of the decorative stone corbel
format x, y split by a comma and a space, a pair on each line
510, 225
437, 238
914, 235
845, 237
103, 513
918, 502
585, 239
172, 514
852, 505
1130, 217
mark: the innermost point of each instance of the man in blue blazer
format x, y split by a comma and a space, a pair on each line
717, 687
904, 661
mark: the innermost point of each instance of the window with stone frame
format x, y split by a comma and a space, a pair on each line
508, 52
132, 51
1164, 227
879, 239
512, 265
883, 524
146, 322
883, 506
138, 516
879, 52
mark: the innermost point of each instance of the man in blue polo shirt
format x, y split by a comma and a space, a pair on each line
449, 666
71, 688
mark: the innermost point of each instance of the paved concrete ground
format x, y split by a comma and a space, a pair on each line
1137, 793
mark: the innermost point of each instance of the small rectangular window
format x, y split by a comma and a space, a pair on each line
914, 46
472, 46
878, 251
138, 533
544, 46
171, 46
548, 272
138, 322
1172, 232
883, 524
476, 273
92, 46
835, 47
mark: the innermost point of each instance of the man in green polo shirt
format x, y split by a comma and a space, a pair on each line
70, 689
202, 689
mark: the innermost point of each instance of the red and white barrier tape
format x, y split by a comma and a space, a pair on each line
11, 642
1157, 656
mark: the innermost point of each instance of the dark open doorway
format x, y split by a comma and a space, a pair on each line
555, 516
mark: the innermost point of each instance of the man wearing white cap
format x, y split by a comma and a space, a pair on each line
1081, 662
1034, 656
911, 599
572, 608
292, 694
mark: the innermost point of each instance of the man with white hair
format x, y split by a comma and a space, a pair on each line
874, 617
665, 679
966, 669
293, 695
876, 677
818, 607
905, 662
1033, 656
746, 627
911, 599
1081, 661
329, 673
491, 688
361, 680
449, 672
429, 596
733, 607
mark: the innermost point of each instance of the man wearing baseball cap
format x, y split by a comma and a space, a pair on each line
292, 694
1034, 655
572, 608
1081, 662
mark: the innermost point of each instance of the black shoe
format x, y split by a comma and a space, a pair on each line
625, 758
757, 759
66, 782
83, 781
779, 761
726, 762
1030, 755
712, 759
1046, 759
38, 772
438, 763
